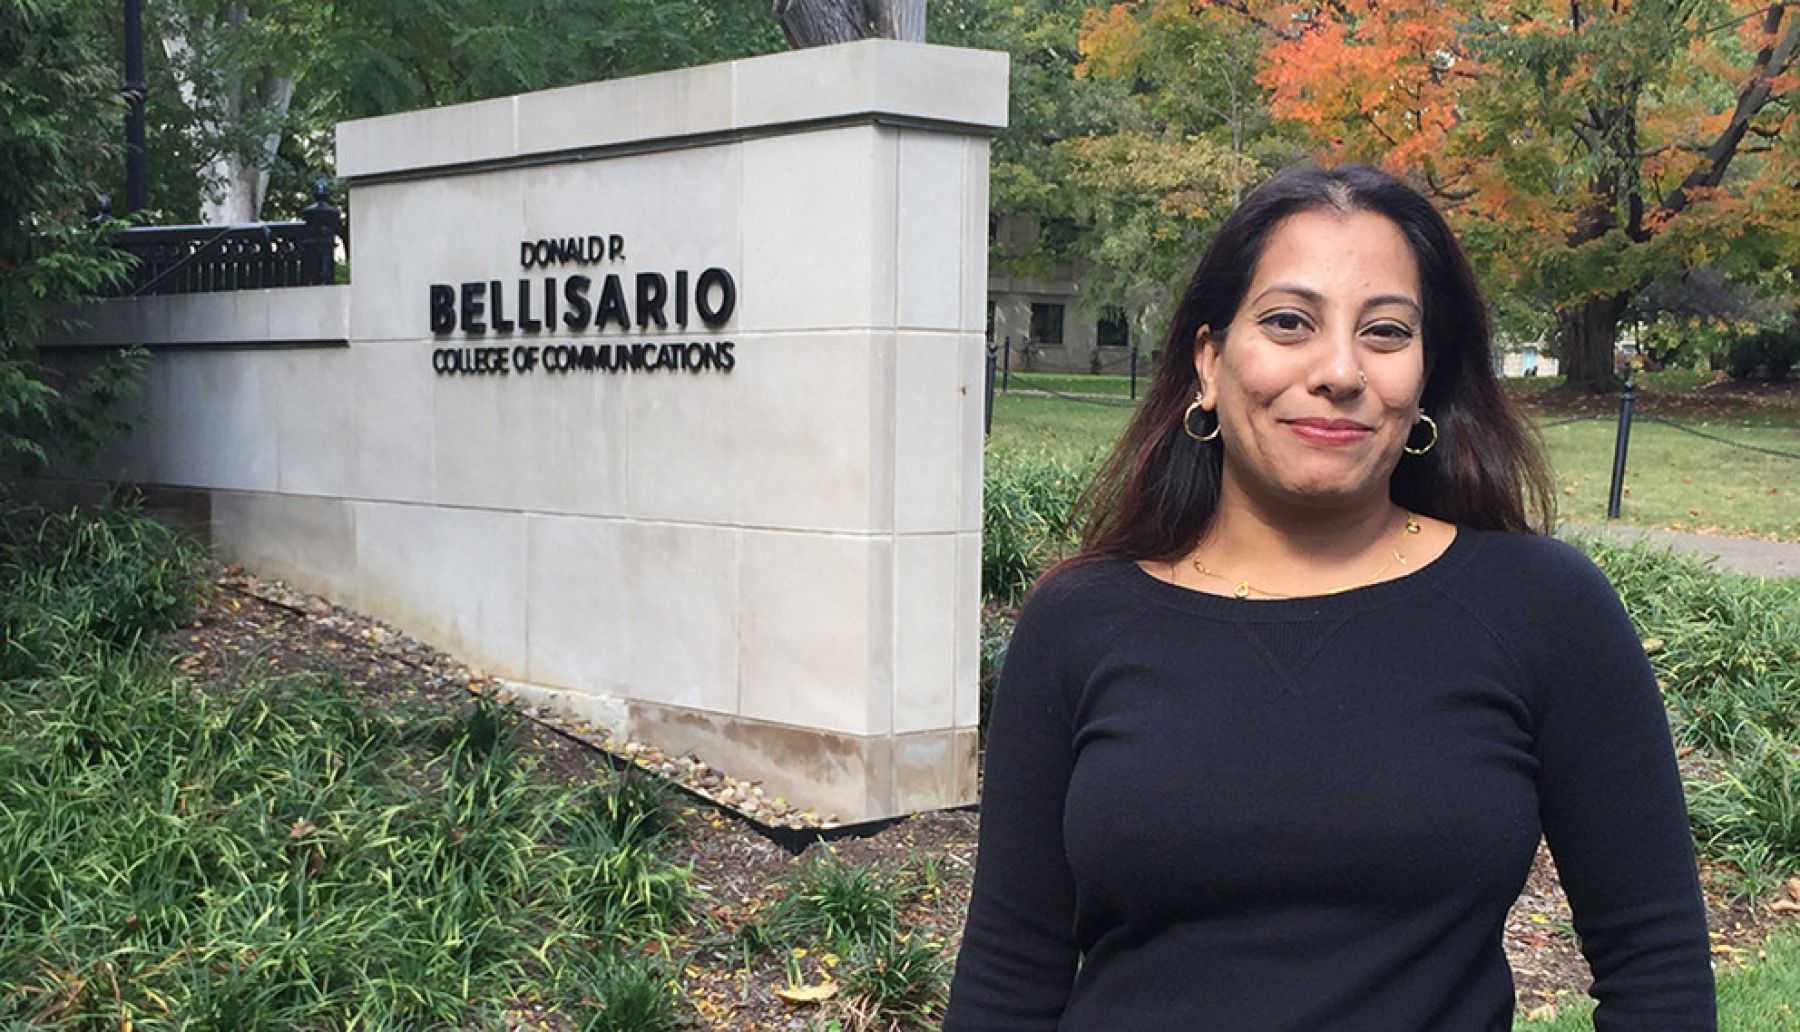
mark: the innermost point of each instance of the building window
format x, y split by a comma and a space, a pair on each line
1112, 331
1046, 323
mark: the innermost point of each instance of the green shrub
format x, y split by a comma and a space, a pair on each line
1726, 650
1027, 498
1773, 352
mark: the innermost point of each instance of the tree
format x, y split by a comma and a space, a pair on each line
812, 23
59, 106
1583, 149
247, 92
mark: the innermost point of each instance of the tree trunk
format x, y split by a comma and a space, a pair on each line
233, 182
1588, 333
815, 23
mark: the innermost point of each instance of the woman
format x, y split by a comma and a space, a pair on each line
1276, 750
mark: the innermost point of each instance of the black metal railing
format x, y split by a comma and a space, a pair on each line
206, 258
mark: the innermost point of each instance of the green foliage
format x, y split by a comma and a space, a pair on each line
1727, 652
1770, 352
272, 853
1027, 497
829, 901
59, 111
902, 977
108, 578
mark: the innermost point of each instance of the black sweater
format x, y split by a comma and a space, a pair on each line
1313, 814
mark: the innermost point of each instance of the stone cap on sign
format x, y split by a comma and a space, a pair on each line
869, 80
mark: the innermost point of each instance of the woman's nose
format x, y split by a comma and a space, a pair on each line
1337, 371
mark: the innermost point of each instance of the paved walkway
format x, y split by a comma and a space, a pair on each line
1742, 555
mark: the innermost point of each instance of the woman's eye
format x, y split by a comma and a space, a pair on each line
1391, 335
1285, 323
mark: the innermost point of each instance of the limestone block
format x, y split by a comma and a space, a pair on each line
934, 769
974, 245
967, 642
848, 777
314, 391
308, 542
681, 587
818, 230
931, 259
392, 394
215, 424
434, 137
931, 389
677, 103
815, 631
413, 234
634, 609
946, 84
927, 619
676, 209
581, 630
453, 577
794, 436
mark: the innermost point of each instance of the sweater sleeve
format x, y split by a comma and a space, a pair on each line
1018, 955
1610, 798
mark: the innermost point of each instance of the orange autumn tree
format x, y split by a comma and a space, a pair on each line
1584, 150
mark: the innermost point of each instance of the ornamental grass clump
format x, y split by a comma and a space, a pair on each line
852, 915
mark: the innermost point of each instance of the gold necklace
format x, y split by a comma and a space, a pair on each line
1244, 589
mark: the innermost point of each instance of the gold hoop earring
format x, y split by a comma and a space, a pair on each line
1188, 427
1429, 422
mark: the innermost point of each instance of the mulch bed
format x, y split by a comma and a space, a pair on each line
741, 864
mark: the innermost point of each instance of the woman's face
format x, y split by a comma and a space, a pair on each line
1317, 380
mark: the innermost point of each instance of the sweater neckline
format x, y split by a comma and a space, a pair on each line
1306, 607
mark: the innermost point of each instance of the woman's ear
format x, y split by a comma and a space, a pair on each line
1206, 366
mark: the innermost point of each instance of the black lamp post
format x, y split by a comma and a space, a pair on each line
134, 106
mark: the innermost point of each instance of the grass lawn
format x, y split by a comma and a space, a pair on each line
1763, 995
1676, 480
1673, 479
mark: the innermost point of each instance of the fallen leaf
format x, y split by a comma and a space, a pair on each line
808, 993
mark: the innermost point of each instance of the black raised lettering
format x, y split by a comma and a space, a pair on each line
443, 308
612, 304
497, 318
652, 290
615, 247
471, 308
525, 250
527, 321
550, 303
575, 293
715, 316
596, 249
726, 359
681, 298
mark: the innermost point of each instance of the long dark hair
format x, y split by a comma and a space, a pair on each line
1156, 494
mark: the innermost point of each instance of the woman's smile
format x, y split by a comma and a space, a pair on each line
1331, 433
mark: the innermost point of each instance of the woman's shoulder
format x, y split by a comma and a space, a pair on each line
1080, 596
1536, 586
1530, 561
1079, 584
